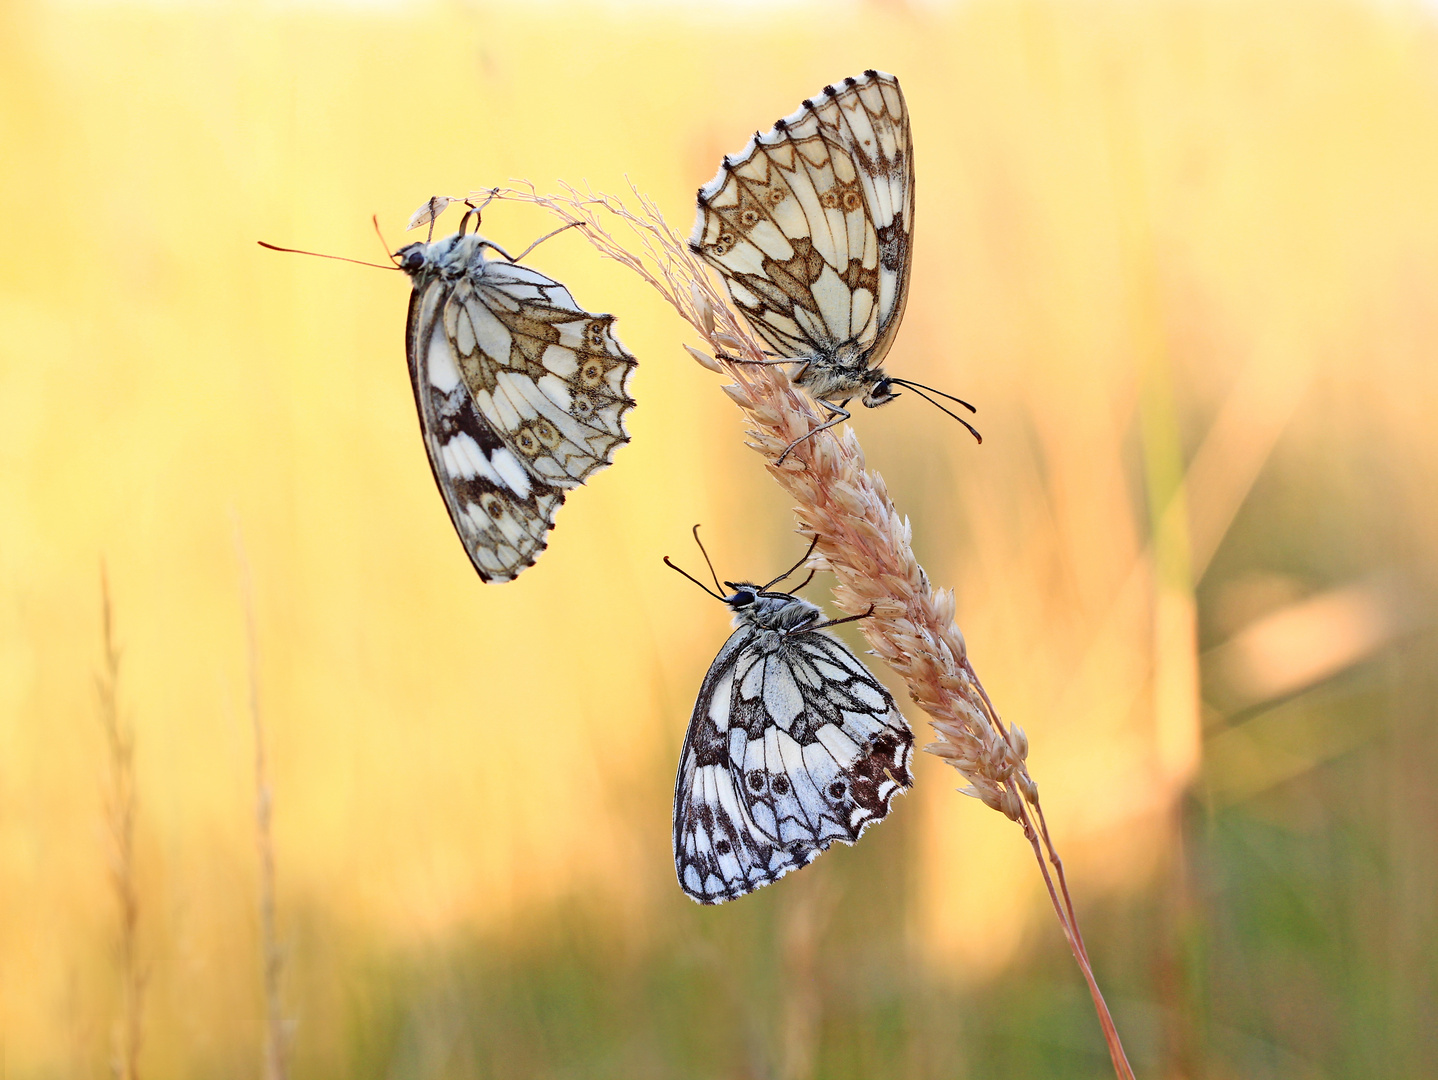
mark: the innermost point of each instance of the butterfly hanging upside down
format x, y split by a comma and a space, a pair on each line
811, 228
521, 392
793, 745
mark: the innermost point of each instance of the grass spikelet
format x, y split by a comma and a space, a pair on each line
861, 537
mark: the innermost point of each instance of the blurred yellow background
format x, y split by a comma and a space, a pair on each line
1184, 257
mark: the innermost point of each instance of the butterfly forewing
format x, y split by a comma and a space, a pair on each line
521, 395
793, 745
810, 226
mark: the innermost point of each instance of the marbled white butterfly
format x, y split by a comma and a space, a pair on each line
811, 227
793, 744
521, 392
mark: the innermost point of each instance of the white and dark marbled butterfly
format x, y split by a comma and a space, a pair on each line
792, 745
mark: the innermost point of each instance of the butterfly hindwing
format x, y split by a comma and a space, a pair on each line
521, 395
810, 225
793, 745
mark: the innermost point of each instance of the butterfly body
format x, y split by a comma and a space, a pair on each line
844, 374
792, 745
521, 394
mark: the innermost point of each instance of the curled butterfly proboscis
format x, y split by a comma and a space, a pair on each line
792, 745
811, 227
521, 392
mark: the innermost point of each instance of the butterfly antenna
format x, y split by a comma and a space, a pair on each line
706, 559
916, 389
322, 255
388, 253
930, 389
801, 584
692, 578
812, 545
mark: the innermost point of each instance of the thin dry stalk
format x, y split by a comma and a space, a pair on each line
121, 809
861, 538
277, 1028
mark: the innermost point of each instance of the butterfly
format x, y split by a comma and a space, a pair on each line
811, 227
521, 392
793, 744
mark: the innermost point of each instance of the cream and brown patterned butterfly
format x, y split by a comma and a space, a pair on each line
793, 745
811, 227
521, 392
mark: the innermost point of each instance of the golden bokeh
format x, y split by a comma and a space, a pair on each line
1183, 256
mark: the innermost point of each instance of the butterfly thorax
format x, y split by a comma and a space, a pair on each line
777, 613
845, 374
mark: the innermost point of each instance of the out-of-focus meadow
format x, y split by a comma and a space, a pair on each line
1184, 257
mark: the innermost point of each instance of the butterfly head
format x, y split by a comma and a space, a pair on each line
744, 595
881, 390
754, 606
412, 259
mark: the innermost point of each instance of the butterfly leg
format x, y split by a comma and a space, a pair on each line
542, 239
774, 361
841, 622
838, 417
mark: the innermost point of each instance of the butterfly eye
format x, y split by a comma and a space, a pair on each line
742, 598
411, 259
